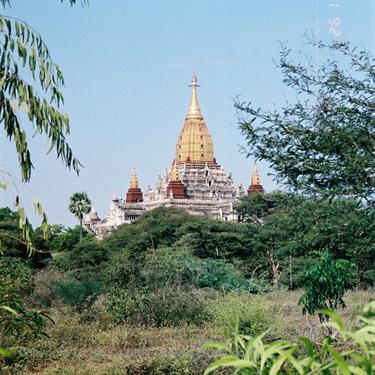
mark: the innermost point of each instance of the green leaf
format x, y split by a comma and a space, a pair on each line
229, 361
5, 353
357, 370
277, 365
308, 345
215, 345
340, 361
9, 309
340, 325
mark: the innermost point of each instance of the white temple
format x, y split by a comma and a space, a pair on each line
195, 181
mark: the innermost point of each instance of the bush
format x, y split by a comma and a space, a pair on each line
86, 255
175, 267
153, 228
17, 322
158, 308
326, 283
25, 358
217, 274
169, 267
253, 314
15, 276
78, 294
67, 239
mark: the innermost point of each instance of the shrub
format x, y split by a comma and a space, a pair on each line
25, 358
15, 276
67, 239
121, 270
165, 307
253, 314
170, 267
86, 255
218, 274
153, 228
16, 321
176, 267
80, 294
326, 283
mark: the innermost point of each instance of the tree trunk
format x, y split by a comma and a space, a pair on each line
275, 270
80, 229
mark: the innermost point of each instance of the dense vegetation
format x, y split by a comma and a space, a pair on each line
171, 269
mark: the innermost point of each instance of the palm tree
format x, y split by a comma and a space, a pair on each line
79, 205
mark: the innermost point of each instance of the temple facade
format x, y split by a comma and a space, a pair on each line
194, 182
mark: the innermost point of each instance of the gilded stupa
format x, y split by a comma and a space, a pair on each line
194, 143
195, 181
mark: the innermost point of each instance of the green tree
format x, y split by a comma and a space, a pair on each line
13, 244
323, 144
79, 205
296, 227
255, 208
67, 239
326, 284
30, 101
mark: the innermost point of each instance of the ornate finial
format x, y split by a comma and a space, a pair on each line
194, 109
255, 179
114, 196
174, 173
134, 180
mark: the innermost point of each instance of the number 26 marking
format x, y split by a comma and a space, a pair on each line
335, 22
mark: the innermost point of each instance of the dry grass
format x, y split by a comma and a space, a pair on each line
291, 323
99, 347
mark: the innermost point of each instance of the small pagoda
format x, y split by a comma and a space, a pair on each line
134, 194
175, 188
255, 184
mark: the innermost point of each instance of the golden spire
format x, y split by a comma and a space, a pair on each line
194, 109
174, 173
134, 180
194, 143
255, 179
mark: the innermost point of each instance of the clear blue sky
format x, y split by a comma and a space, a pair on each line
128, 64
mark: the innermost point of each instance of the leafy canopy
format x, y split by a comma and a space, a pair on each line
79, 204
323, 144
